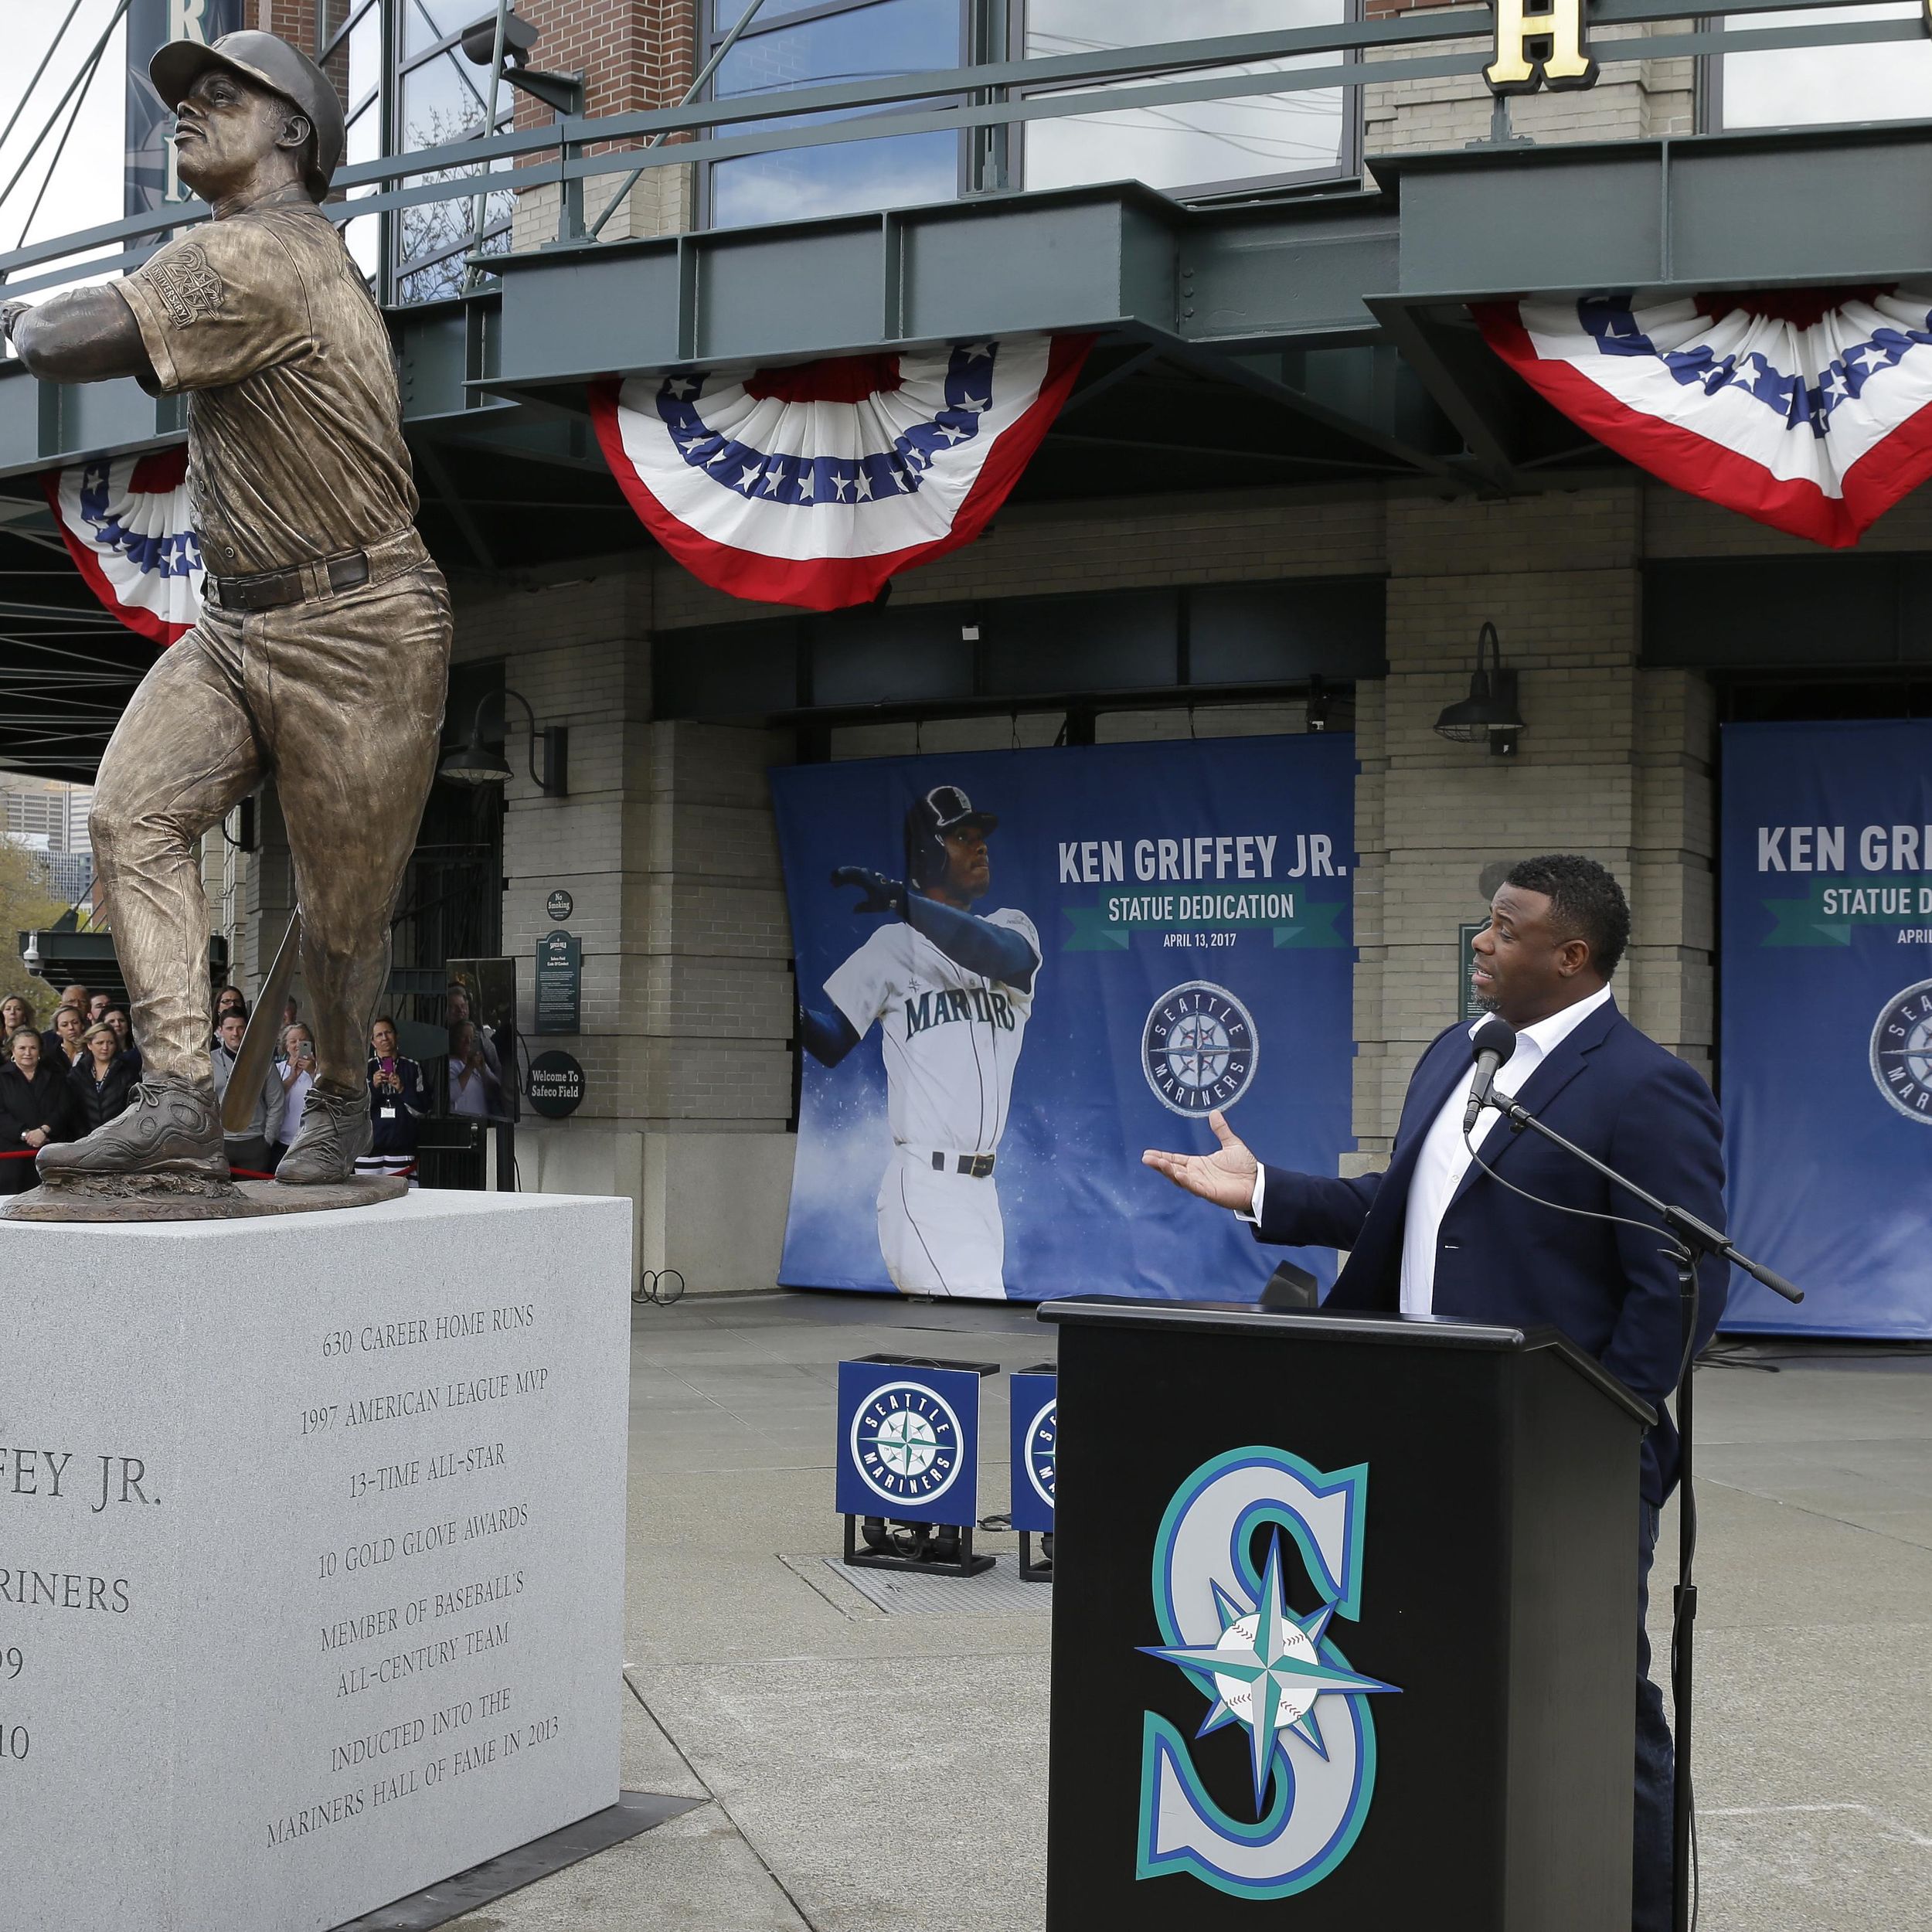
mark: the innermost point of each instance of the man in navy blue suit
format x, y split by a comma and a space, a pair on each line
1434, 1234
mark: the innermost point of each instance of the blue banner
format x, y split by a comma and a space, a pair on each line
1825, 1069
1102, 945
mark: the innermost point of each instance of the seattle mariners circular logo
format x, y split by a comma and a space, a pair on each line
1902, 1053
905, 1442
1198, 1049
1043, 1451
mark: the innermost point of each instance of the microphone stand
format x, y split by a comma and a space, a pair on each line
1693, 1239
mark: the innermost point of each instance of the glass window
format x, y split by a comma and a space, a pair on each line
349, 42
1198, 144
365, 75
399, 100
333, 15
725, 13
442, 102
426, 21
364, 236
1801, 86
863, 42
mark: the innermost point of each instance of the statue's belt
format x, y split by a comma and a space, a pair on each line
269, 590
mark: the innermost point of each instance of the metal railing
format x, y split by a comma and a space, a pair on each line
989, 95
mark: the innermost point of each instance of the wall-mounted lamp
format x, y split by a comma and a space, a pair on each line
1490, 711
565, 92
479, 763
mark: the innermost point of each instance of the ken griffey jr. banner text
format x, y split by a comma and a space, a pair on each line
1825, 986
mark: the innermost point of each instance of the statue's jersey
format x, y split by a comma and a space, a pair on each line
951, 1038
295, 448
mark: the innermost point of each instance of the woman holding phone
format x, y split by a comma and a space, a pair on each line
296, 1064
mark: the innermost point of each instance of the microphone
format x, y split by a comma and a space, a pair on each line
1494, 1042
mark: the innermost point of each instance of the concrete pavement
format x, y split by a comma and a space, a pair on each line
818, 1727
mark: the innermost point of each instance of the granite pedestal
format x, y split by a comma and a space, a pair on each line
311, 1555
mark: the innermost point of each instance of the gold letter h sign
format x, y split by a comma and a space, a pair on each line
1557, 30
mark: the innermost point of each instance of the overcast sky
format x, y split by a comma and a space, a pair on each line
86, 188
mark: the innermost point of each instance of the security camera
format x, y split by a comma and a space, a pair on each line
479, 41
30, 953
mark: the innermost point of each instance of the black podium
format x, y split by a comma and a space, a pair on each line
1399, 1552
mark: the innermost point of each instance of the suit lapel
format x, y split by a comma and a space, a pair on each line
1571, 1058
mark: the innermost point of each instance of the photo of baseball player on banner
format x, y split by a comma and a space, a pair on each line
1016, 968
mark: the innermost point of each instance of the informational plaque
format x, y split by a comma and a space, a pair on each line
311, 1555
1466, 1006
560, 983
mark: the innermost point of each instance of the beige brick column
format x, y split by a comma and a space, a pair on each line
580, 654
713, 948
1615, 763
665, 845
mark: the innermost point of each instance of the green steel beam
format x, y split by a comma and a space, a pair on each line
1828, 205
1312, 277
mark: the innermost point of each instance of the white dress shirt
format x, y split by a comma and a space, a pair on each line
1444, 1157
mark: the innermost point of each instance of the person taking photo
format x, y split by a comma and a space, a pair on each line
295, 1066
399, 1097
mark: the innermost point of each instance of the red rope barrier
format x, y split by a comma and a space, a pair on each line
250, 1174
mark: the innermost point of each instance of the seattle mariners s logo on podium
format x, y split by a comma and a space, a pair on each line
905, 1442
1198, 1049
1226, 1625
1902, 1051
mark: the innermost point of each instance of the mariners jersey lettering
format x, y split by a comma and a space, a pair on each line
951, 1038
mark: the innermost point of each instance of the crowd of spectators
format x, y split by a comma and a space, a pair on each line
64, 1081
78, 1073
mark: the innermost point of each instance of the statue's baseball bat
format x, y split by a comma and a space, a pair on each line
265, 1025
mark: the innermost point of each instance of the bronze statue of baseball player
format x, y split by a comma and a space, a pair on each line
321, 655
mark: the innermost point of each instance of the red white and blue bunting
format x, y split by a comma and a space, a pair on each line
814, 484
125, 522
1808, 410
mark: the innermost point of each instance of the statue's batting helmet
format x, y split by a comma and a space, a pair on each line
945, 808
270, 62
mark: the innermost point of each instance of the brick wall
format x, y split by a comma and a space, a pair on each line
635, 54
1615, 762
295, 20
666, 843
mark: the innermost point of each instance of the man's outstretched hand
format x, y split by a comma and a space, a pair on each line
1225, 1177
